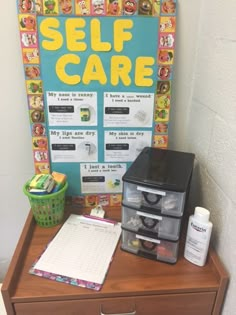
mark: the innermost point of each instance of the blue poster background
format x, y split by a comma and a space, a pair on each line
144, 43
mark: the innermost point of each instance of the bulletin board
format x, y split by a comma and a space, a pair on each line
98, 77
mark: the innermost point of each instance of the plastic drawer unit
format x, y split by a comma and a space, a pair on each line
156, 249
155, 191
159, 179
151, 224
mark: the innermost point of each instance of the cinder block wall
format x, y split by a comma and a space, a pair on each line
206, 123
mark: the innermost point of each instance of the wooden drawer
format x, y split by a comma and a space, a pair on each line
184, 304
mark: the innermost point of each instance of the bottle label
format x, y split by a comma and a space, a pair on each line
199, 229
193, 251
197, 243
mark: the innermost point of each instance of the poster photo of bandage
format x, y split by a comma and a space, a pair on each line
98, 80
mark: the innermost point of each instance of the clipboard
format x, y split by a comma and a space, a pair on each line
80, 253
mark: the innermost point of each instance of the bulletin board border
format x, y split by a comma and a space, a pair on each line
29, 10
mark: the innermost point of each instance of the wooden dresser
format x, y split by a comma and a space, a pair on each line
134, 285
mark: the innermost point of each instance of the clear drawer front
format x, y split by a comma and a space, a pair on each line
151, 224
167, 202
163, 250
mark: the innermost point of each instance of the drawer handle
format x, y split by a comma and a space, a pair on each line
151, 202
148, 222
150, 246
132, 313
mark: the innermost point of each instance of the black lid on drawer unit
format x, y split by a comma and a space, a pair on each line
160, 168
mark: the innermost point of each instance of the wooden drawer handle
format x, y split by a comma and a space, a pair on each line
132, 313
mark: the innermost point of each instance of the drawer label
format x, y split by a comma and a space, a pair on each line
149, 215
151, 191
153, 240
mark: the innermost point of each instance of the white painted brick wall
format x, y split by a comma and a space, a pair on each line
210, 131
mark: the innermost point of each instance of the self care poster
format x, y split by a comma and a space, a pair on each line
98, 77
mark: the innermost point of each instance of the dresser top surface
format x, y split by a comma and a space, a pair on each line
128, 274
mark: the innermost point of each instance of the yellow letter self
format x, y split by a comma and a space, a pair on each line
120, 69
96, 43
73, 35
120, 35
142, 71
61, 64
47, 29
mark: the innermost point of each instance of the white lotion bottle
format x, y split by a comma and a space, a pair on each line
198, 236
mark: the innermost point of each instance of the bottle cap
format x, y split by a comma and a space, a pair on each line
202, 214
